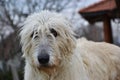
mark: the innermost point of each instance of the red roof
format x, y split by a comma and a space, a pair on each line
100, 6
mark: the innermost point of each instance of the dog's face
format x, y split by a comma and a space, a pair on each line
48, 42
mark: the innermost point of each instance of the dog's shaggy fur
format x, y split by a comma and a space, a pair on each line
69, 58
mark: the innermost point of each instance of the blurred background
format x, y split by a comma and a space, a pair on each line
97, 20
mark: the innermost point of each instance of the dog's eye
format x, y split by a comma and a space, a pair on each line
31, 35
34, 36
53, 32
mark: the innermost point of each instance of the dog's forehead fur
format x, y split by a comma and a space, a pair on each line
45, 18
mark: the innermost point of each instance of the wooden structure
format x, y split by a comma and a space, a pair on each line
105, 10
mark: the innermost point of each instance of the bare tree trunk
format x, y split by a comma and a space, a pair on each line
14, 73
13, 70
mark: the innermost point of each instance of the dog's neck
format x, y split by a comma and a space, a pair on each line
71, 70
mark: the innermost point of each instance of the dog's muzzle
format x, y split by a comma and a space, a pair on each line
43, 58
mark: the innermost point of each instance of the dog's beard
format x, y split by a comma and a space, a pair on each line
53, 64
49, 68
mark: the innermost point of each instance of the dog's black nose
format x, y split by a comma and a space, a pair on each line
43, 58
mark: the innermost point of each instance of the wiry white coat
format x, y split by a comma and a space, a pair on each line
86, 60
91, 61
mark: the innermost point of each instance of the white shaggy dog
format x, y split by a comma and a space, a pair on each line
52, 53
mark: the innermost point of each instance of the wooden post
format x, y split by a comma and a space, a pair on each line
107, 30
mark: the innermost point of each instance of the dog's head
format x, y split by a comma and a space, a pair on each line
47, 39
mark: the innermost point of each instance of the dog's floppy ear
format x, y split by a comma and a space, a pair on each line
70, 39
25, 36
70, 42
70, 35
